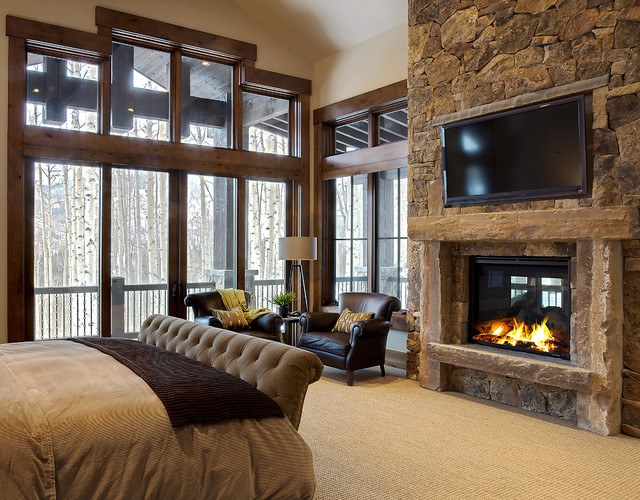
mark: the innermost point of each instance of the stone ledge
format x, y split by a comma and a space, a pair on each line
586, 223
555, 373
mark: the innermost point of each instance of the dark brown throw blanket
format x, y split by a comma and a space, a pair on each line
192, 392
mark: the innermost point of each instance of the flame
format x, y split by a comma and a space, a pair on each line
512, 331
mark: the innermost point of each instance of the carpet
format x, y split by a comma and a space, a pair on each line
388, 438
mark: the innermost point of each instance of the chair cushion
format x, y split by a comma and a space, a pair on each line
347, 318
334, 343
233, 319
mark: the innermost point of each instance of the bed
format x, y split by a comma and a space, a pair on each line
77, 423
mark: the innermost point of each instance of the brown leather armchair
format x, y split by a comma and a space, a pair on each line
366, 343
267, 326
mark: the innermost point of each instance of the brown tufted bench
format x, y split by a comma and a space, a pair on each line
280, 371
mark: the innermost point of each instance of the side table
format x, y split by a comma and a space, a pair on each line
291, 329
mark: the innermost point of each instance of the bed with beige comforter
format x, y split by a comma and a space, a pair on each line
78, 424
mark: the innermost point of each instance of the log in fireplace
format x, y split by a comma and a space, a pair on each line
521, 303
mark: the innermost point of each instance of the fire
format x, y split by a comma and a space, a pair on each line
514, 332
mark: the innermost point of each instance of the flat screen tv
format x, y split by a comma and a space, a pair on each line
535, 152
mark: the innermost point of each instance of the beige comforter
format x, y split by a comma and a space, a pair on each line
77, 424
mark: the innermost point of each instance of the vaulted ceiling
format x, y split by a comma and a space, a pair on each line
319, 28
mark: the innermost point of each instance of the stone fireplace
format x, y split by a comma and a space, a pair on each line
470, 58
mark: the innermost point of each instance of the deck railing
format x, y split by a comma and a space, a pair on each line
62, 312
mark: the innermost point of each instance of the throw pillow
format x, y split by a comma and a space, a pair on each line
233, 319
347, 318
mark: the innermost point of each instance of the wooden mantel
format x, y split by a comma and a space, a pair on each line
613, 223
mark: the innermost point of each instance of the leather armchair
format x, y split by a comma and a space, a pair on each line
267, 326
364, 346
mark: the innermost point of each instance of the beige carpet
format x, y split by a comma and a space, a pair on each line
387, 438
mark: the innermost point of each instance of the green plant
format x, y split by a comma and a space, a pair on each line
283, 299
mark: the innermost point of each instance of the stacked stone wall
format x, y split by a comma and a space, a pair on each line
468, 53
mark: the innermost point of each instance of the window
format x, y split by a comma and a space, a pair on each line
364, 229
139, 248
211, 232
206, 102
62, 93
66, 250
350, 245
352, 136
266, 222
140, 96
143, 224
391, 197
392, 126
265, 124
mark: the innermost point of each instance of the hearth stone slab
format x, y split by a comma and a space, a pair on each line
554, 373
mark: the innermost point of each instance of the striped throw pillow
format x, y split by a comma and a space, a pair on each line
348, 318
233, 319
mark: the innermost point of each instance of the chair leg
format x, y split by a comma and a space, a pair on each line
349, 377
382, 369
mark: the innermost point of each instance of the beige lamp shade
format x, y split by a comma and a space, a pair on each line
298, 248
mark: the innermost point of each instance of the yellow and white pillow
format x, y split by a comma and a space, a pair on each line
233, 319
347, 318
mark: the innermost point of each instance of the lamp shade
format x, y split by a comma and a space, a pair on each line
298, 248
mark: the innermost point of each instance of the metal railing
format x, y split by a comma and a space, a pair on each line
360, 284
62, 312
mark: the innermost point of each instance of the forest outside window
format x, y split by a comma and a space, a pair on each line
62, 93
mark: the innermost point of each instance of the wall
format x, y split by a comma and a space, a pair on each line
226, 19
468, 53
377, 62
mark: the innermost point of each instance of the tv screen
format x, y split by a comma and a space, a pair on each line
529, 153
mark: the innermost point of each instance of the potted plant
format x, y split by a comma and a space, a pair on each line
282, 300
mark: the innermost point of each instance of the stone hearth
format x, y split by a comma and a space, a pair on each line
470, 58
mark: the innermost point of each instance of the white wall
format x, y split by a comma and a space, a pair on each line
222, 17
370, 65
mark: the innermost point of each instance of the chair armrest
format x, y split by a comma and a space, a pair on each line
209, 321
270, 323
318, 321
369, 328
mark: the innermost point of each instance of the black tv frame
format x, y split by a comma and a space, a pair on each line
585, 145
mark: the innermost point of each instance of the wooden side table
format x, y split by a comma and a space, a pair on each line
291, 329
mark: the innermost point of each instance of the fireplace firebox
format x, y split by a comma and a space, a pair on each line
521, 303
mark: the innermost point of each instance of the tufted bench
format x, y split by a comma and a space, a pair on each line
280, 371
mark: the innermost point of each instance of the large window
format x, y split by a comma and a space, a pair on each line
112, 228
364, 197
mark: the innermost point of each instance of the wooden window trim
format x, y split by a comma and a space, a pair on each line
281, 85
375, 100
68, 144
72, 41
134, 27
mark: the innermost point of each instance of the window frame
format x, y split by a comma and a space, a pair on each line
376, 158
32, 143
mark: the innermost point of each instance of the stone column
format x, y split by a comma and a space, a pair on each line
436, 311
600, 411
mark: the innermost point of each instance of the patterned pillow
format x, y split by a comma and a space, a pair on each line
233, 319
348, 318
